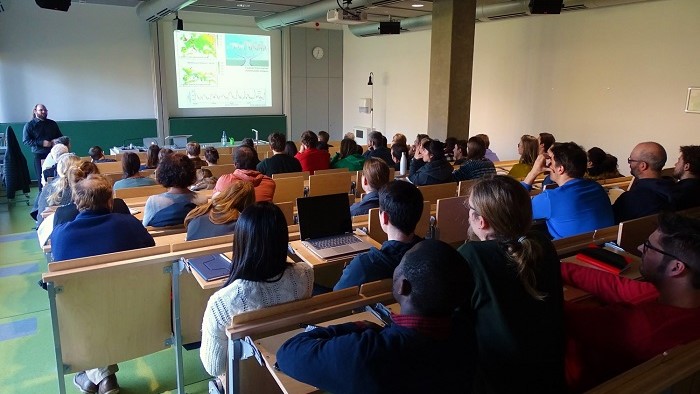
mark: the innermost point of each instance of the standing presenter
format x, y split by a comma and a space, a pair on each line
39, 134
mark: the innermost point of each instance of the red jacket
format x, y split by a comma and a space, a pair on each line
604, 341
312, 159
264, 185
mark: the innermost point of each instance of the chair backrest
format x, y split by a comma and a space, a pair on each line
465, 187
330, 171
329, 183
303, 174
452, 219
614, 193
221, 169
433, 193
287, 208
633, 233
140, 191
225, 159
674, 371
288, 189
109, 167
569, 245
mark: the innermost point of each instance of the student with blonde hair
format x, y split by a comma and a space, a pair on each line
57, 192
516, 302
219, 216
527, 149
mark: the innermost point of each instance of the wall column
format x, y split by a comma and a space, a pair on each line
451, 63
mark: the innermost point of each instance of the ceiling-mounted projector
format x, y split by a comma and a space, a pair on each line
345, 17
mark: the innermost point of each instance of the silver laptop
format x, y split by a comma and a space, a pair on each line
325, 226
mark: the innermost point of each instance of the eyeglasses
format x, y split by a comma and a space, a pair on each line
631, 160
647, 245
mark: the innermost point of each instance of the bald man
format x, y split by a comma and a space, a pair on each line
650, 193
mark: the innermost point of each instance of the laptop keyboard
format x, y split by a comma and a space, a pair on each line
334, 241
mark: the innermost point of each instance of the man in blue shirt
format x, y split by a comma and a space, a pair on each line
400, 208
577, 205
422, 351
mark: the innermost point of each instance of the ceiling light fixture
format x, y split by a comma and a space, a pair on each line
417, 5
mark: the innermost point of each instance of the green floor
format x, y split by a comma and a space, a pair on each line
27, 359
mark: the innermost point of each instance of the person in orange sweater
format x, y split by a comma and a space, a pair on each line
245, 171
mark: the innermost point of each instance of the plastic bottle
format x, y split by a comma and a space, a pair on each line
403, 166
224, 139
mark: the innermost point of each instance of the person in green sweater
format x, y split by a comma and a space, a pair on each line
348, 156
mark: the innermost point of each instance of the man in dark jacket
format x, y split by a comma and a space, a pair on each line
376, 143
649, 193
39, 134
686, 192
400, 208
422, 351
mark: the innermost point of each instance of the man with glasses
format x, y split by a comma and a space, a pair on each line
578, 205
649, 193
640, 319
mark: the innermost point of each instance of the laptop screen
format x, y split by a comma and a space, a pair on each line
324, 216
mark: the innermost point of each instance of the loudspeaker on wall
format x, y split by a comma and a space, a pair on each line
58, 5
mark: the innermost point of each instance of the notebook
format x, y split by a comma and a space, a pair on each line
212, 267
325, 226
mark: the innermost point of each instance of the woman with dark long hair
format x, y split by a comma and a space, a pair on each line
527, 149
517, 299
348, 156
260, 277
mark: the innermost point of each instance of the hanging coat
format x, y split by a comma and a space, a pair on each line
15, 171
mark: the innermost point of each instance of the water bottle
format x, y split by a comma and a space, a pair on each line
224, 139
403, 166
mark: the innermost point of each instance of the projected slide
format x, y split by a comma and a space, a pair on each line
217, 70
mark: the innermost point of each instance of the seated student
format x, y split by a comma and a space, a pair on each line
205, 180
245, 172
460, 152
211, 156
193, 151
420, 151
152, 156
323, 138
476, 165
650, 193
97, 155
517, 299
67, 213
578, 205
218, 216
436, 169
310, 157
686, 192
279, 162
397, 139
639, 319
290, 148
450, 143
601, 165
527, 149
348, 156
491, 155
96, 230
48, 168
397, 151
376, 147
251, 144
176, 172
423, 351
131, 175
57, 192
375, 174
260, 277
400, 209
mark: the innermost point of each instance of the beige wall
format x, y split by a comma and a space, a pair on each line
609, 77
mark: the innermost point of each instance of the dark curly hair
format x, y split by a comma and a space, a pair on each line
176, 170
